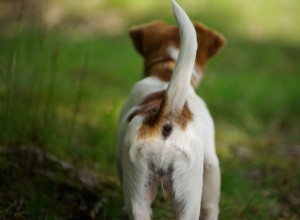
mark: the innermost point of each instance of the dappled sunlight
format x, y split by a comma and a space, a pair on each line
229, 138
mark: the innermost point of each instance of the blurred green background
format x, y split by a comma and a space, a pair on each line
66, 68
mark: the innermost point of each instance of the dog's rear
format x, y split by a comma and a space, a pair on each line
164, 136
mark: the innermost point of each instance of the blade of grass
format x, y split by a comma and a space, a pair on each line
244, 211
78, 99
49, 105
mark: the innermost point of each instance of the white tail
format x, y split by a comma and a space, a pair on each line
181, 77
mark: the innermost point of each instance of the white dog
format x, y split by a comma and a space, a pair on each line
166, 134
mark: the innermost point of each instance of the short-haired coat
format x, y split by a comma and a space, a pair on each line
166, 133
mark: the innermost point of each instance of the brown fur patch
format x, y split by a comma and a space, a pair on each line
154, 109
149, 106
153, 124
163, 74
184, 117
162, 69
209, 41
153, 120
152, 40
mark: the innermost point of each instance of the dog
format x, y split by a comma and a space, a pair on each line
166, 133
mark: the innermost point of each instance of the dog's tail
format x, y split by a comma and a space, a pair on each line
181, 77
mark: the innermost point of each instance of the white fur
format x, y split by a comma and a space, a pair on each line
197, 74
181, 77
190, 152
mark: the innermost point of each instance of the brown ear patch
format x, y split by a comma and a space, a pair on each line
147, 36
209, 42
152, 39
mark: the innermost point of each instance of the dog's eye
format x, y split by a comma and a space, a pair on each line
166, 130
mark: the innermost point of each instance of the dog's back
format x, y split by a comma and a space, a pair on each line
164, 130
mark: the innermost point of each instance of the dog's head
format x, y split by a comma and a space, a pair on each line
153, 39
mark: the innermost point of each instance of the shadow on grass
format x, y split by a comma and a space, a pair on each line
38, 185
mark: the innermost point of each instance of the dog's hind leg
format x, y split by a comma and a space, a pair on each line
211, 186
187, 189
139, 191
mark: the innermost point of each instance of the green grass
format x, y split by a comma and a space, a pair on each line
63, 94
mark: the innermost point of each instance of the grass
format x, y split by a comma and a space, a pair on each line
63, 94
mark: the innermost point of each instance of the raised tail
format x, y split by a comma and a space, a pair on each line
181, 77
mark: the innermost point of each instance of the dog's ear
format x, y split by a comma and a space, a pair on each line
209, 41
146, 37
